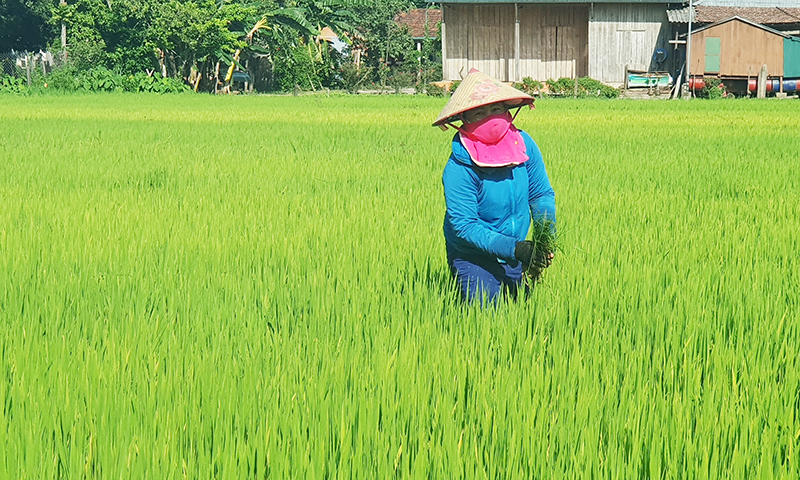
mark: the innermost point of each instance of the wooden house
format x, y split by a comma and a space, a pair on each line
735, 49
545, 39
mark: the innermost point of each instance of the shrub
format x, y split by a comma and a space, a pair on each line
587, 87
296, 70
713, 89
9, 84
101, 79
64, 78
590, 87
400, 80
435, 90
530, 86
354, 77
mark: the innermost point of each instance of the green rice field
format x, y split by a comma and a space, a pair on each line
256, 287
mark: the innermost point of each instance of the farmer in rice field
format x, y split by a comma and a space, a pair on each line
495, 183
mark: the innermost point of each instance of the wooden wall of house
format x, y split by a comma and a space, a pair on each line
553, 41
479, 36
625, 34
743, 50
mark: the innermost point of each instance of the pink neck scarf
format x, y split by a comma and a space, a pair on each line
494, 141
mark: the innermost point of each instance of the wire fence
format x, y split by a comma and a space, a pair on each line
27, 65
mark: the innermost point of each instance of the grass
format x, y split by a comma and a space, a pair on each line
256, 287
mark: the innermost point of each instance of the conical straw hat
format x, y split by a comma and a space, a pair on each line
479, 89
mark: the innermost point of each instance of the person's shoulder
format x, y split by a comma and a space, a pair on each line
454, 165
527, 137
459, 152
457, 171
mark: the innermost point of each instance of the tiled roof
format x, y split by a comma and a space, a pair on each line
768, 16
416, 20
764, 15
754, 24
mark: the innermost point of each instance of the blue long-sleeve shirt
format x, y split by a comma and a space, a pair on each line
489, 210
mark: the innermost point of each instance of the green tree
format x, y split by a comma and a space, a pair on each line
383, 42
24, 24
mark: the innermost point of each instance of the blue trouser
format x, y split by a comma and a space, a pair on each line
478, 275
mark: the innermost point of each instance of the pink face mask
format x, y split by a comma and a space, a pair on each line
490, 130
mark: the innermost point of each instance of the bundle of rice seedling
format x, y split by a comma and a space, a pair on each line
543, 236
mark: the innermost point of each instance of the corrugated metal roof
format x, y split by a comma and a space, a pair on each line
679, 15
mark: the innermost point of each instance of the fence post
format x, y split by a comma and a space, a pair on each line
28, 67
762, 82
63, 36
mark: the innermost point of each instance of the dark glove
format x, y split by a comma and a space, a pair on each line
524, 252
541, 257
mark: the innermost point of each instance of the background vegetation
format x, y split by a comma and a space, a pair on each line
198, 42
228, 287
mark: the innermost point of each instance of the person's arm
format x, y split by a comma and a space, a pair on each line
541, 197
461, 196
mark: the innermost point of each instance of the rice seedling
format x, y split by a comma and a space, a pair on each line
543, 236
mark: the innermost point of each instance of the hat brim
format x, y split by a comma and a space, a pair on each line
513, 103
476, 90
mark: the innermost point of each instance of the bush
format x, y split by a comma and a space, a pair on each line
587, 87
353, 77
141, 82
296, 70
590, 87
9, 84
64, 78
713, 89
435, 90
400, 80
101, 79
530, 86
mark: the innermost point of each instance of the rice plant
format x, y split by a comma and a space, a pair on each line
256, 287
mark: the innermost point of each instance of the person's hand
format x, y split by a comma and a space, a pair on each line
524, 253
542, 258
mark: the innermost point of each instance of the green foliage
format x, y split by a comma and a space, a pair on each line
352, 77
713, 89
142, 82
543, 236
400, 80
101, 79
187, 32
430, 63
257, 288
298, 69
185, 37
9, 84
587, 87
136, 35
24, 24
435, 90
529, 86
385, 44
63, 79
